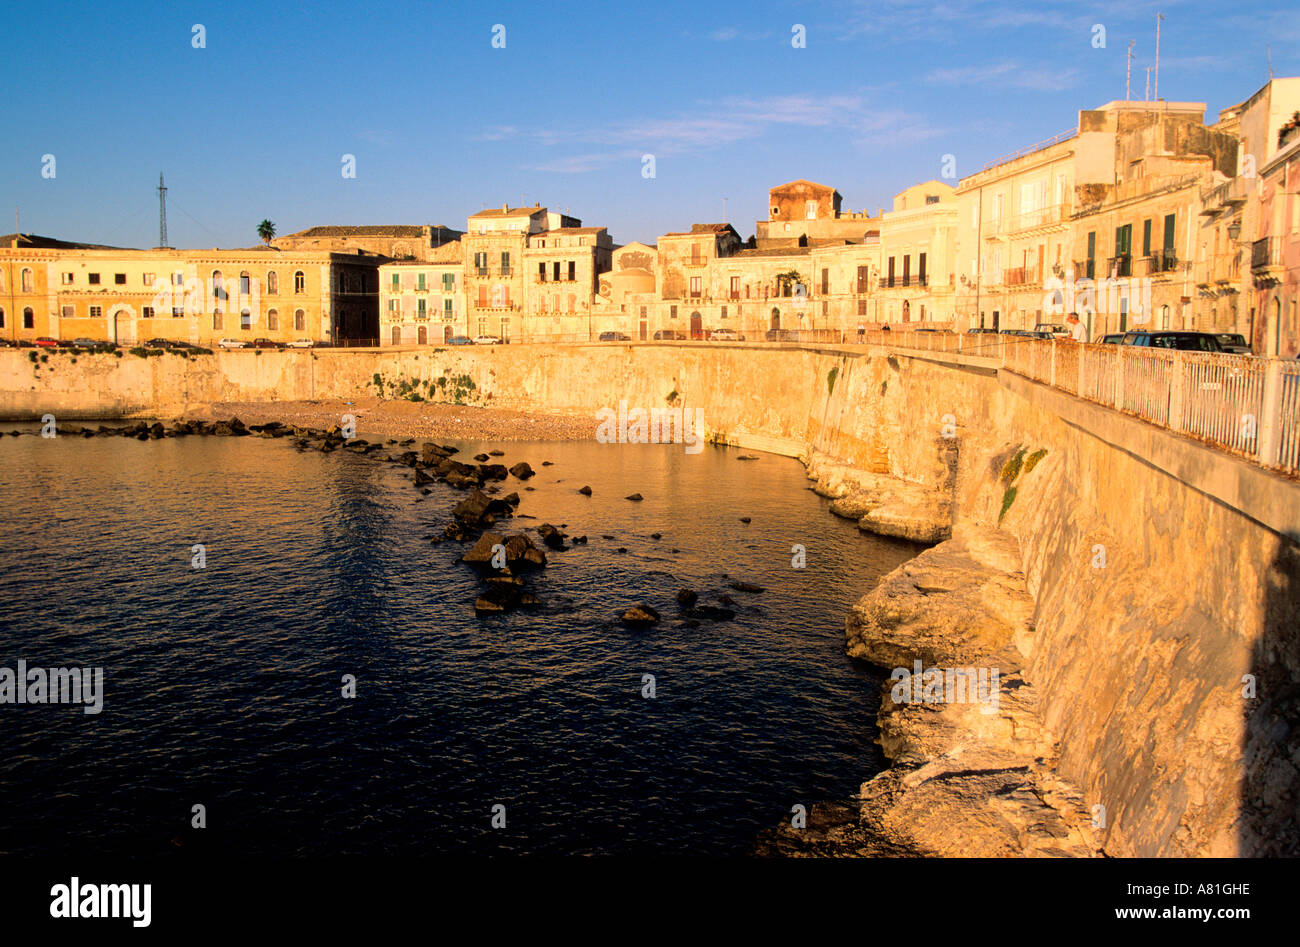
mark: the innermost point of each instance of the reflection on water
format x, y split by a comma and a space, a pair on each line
223, 684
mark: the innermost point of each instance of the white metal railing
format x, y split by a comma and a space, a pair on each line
1240, 403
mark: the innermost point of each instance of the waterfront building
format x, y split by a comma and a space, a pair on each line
805, 213
625, 299
1275, 253
918, 242
397, 242
66, 290
562, 269
421, 303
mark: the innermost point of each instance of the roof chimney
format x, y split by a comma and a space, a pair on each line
504, 208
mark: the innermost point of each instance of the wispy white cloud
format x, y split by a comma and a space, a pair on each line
1007, 74
724, 122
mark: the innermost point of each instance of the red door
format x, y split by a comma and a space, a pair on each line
697, 326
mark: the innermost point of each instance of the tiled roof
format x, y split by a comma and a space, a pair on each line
508, 212
31, 241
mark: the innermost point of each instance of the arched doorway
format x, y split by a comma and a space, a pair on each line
776, 319
121, 325
446, 333
397, 335
422, 335
697, 326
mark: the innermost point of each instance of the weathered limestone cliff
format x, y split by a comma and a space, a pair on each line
1137, 591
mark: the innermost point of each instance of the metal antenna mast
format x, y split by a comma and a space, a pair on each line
1156, 95
162, 212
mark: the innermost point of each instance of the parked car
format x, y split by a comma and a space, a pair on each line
725, 335
84, 343
1233, 342
7, 344
300, 344
979, 331
45, 342
486, 340
182, 346
1114, 338
232, 344
156, 344
668, 335
614, 337
460, 340
1053, 329
1189, 341
267, 344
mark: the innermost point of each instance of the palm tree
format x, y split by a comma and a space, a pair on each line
266, 230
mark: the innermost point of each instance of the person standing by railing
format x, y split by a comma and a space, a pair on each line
1078, 331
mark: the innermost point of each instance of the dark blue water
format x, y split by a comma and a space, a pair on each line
223, 686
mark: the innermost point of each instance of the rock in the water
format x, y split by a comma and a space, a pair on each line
712, 613
481, 458
497, 453
521, 470
493, 471
553, 537
687, 598
422, 477
639, 616
746, 519
585, 491
636, 497
747, 587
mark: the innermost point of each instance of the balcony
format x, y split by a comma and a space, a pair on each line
1120, 266
1161, 261
1042, 217
863, 286
1266, 260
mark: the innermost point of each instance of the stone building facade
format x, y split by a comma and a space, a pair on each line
398, 242
68, 291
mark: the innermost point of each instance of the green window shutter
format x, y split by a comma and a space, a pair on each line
1146, 237
1169, 232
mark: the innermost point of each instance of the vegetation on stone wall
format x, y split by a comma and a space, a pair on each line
454, 389
830, 380
1017, 464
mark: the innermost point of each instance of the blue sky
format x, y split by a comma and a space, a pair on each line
442, 124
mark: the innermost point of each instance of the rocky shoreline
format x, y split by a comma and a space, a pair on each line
972, 772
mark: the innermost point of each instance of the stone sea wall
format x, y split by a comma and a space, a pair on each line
1137, 591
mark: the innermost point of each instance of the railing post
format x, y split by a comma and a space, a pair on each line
1270, 425
1051, 371
1080, 388
1177, 386
1119, 378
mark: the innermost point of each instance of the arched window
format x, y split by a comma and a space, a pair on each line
272, 283
27, 281
29, 318
299, 282
299, 320
245, 287
218, 292
272, 320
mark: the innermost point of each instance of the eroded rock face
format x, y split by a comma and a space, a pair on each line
888, 505
963, 600
972, 763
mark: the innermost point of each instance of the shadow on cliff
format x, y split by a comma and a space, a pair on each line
1270, 812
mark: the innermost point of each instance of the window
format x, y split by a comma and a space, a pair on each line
735, 287
446, 309
216, 320
1090, 271
482, 296
67, 279
695, 254
245, 282
92, 279
862, 307
810, 209
555, 270
448, 282
643, 308
505, 263
1146, 237
420, 308
272, 320
178, 278
572, 303
826, 281
541, 272
920, 270
1169, 233
695, 287
392, 305
272, 283
2, 318
299, 282
480, 263
573, 271
95, 312
672, 312
891, 272
178, 312
724, 312
299, 320
29, 319
69, 312
26, 280
419, 283
146, 312
907, 270
119, 279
